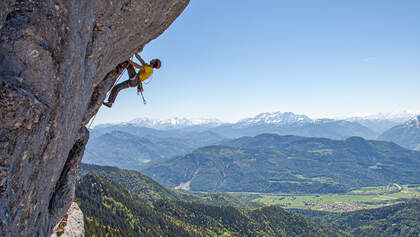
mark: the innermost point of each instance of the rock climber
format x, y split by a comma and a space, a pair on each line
136, 79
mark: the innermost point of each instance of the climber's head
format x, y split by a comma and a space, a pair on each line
156, 63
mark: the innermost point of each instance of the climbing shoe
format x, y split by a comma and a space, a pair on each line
107, 104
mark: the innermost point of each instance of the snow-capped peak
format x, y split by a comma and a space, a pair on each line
414, 122
278, 118
399, 117
173, 123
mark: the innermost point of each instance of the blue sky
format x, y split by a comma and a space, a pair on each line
237, 58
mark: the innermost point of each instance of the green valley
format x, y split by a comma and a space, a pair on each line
334, 182
128, 203
112, 210
365, 198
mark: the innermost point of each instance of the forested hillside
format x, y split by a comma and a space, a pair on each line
112, 210
397, 220
150, 190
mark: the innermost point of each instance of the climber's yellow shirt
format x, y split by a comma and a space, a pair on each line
145, 72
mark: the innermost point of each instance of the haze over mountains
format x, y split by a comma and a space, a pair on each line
131, 147
174, 123
142, 142
284, 123
381, 122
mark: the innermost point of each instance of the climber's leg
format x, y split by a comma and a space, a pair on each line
130, 69
114, 92
131, 72
122, 66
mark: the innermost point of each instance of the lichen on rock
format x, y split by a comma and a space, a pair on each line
58, 59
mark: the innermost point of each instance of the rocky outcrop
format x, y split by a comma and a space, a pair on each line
72, 224
58, 59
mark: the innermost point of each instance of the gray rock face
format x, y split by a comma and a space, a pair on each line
58, 59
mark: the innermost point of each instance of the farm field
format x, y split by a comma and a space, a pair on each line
368, 197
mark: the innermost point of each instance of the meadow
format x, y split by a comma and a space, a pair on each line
364, 198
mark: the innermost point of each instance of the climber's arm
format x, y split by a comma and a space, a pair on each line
140, 59
135, 64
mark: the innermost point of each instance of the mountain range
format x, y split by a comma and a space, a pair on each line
174, 123
277, 118
283, 123
270, 163
201, 156
328, 128
384, 120
132, 145
406, 135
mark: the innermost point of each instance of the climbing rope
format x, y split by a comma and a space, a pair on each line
118, 79
107, 94
142, 96
93, 119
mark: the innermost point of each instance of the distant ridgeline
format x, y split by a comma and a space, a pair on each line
289, 164
131, 147
143, 142
112, 210
406, 135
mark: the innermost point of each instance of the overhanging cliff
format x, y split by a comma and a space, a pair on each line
57, 61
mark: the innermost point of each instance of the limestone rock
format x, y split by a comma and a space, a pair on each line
72, 224
57, 61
